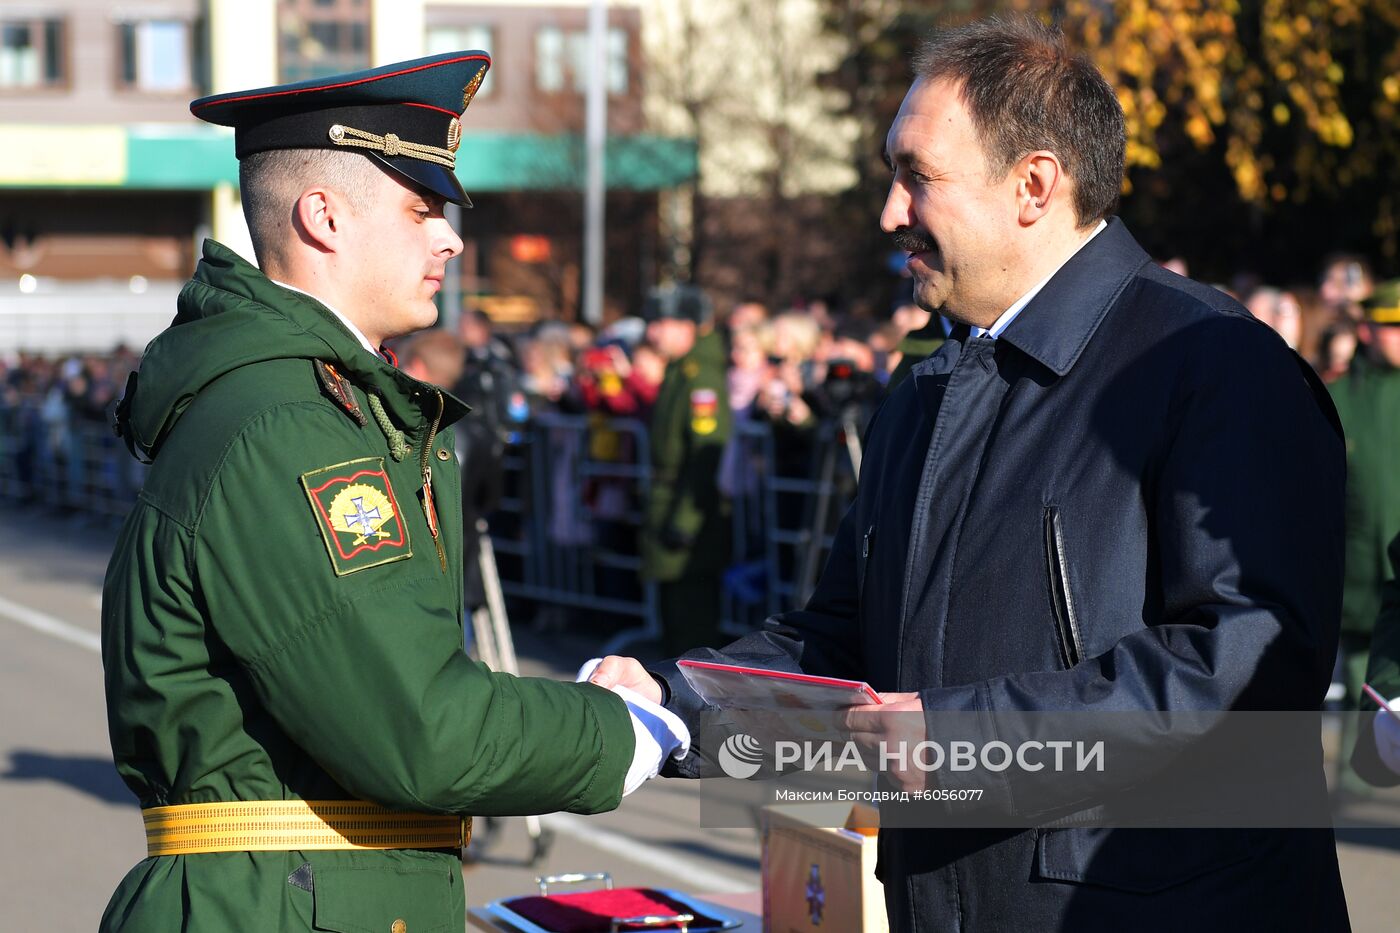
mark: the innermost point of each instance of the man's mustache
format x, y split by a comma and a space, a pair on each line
913, 241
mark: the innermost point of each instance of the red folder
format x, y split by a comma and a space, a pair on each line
594, 911
733, 686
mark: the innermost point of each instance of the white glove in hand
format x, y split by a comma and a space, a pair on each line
660, 733
1387, 730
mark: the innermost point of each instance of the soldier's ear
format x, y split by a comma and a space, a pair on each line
317, 218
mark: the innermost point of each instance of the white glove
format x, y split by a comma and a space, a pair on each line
660, 733
1387, 730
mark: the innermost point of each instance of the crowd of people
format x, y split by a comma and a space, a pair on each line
795, 368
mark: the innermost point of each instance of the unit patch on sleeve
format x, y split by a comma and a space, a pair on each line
704, 411
358, 514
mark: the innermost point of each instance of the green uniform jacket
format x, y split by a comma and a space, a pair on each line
1383, 673
257, 648
1368, 401
686, 532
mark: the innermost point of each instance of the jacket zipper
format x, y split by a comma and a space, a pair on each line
1057, 565
866, 545
429, 508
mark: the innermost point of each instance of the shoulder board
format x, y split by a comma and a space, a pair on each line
340, 391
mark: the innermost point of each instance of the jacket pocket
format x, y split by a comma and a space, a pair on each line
1061, 601
363, 900
1143, 861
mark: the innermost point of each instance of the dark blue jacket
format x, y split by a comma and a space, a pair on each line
1130, 501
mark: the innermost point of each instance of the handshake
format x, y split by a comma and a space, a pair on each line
659, 733
1387, 730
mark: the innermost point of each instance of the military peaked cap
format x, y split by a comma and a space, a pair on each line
406, 116
681, 302
1383, 307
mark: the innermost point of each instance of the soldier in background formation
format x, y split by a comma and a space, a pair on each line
685, 543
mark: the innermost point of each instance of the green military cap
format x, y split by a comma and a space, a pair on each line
405, 116
1383, 307
681, 302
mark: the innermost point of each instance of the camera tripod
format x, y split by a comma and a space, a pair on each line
848, 428
496, 648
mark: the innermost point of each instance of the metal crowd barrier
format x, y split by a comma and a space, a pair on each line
576, 487
784, 520
69, 464
567, 531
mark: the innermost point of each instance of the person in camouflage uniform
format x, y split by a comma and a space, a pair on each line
685, 538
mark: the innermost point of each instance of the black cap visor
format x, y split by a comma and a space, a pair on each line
438, 179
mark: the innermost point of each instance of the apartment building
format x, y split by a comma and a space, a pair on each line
108, 185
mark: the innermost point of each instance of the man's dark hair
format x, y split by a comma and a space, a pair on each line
1025, 90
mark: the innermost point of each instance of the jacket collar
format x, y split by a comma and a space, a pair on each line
402, 395
1059, 321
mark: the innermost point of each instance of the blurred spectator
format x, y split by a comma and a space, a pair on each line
433, 356
1280, 310
749, 371
1336, 347
546, 362
478, 338
1345, 283
793, 349
849, 387
608, 381
746, 315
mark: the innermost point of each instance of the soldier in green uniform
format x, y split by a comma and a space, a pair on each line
282, 639
1377, 755
685, 539
924, 333
1368, 401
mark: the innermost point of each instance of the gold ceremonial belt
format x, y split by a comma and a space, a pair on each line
273, 825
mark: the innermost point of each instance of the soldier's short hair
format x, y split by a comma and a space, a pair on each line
271, 182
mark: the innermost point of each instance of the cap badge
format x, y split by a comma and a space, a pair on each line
469, 91
454, 134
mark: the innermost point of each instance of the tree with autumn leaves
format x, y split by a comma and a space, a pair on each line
1262, 134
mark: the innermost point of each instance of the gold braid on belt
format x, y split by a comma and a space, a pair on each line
277, 825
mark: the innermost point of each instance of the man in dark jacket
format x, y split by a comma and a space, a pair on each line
1110, 490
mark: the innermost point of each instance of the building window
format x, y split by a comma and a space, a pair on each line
549, 59
442, 39
156, 55
31, 53
563, 55
317, 38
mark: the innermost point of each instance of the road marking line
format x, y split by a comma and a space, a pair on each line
697, 879
50, 626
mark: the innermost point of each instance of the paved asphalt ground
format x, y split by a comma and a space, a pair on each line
69, 829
